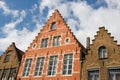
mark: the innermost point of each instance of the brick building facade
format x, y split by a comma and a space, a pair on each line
9, 62
102, 61
54, 54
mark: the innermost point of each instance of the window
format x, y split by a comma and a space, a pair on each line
4, 76
53, 26
56, 40
114, 74
34, 46
102, 52
27, 66
93, 75
67, 40
52, 65
7, 58
39, 66
44, 42
67, 64
12, 74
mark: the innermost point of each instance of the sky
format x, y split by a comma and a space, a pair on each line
21, 20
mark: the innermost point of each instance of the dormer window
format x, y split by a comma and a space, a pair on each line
102, 52
53, 26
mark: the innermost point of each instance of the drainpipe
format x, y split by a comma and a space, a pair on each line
81, 66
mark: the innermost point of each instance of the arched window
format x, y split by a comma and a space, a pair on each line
53, 26
102, 52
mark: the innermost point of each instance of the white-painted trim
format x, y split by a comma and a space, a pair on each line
24, 67
41, 40
35, 66
68, 40
52, 46
72, 64
48, 65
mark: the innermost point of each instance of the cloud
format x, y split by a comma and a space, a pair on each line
34, 7
88, 19
82, 18
11, 26
7, 10
10, 31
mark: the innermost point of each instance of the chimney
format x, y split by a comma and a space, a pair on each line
88, 43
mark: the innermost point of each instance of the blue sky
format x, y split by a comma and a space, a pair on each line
21, 20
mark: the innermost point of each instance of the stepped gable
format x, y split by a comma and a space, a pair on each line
103, 34
17, 51
58, 19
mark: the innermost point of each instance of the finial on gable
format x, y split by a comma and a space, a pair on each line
13, 43
102, 27
56, 12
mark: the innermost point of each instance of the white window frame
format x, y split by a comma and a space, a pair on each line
44, 42
39, 67
114, 73
56, 40
91, 71
102, 52
27, 67
55, 58
68, 64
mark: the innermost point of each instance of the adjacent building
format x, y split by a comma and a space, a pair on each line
102, 61
54, 54
9, 63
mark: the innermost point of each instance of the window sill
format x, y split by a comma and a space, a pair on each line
102, 58
66, 74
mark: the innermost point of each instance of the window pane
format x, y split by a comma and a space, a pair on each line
52, 65
70, 67
69, 71
64, 72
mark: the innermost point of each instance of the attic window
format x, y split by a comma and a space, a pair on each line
53, 26
102, 52
7, 58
